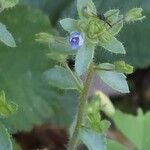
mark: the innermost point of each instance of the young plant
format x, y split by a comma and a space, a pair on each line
85, 34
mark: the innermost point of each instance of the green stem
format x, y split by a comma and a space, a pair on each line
81, 110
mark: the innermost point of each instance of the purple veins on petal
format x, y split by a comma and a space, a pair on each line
76, 40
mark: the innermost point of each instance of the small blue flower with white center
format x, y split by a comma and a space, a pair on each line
76, 40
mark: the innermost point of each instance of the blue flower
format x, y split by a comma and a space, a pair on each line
76, 40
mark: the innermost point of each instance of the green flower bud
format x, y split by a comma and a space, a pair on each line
134, 14
106, 104
45, 38
122, 67
94, 29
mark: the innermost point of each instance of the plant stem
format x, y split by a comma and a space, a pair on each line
81, 110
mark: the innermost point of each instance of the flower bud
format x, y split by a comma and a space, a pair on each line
134, 14
105, 104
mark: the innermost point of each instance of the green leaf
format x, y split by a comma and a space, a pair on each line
6, 108
8, 3
5, 142
61, 78
117, 26
112, 15
115, 20
135, 128
69, 24
115, 80
6, 37
93, 140
83, 59
113, 46
21, 74
113, 145
82, 4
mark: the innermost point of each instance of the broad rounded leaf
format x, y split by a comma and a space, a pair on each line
6, 37
83, 59
61, 78
5, 142
69, 24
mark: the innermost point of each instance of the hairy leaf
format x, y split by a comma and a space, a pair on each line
68, 24
115, 80
61, 78
113, 46
82, 4
83, 59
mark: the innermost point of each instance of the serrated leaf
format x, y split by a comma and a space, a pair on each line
116, 81
69, 25
5, 142
83, 59
6, 37
8, 3
113, 46
61, 78
93, 140
82, 4
135, 128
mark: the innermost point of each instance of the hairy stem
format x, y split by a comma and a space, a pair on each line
81, 110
